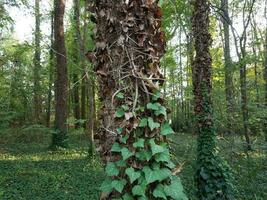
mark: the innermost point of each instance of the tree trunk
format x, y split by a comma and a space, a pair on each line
37, 65
265, 73
228, 66
77, 59
51, 72
61, 83
129, 45
212, 175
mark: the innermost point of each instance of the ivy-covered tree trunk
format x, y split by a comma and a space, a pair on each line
133, 130
37, 65
61, 83
213, 176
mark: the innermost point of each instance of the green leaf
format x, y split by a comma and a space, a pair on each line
119, 113
175, 190
124, 139
153, 106
116, 147
152, 125
166, 129
163, 157
140, 143
144, 155
159, 192
156, 96
125, 107
132, 174
143, 122
106, 186
119, 130
111, 169
156, 148
139, 190
121, 163
118, 185
126, 153
162, 110
120, 95
156, 175
127, 197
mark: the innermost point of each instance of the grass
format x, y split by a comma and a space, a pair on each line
29, 171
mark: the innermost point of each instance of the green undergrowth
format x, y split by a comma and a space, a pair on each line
29, 171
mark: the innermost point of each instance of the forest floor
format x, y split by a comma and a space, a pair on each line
29, 171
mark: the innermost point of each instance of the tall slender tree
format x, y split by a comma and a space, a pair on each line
212, 176
50, 71
37, 64
228, 65
61, 83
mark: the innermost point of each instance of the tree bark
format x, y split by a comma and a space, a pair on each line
228, 66
61, 83
51, 72
211, 172
37, 65
77, 59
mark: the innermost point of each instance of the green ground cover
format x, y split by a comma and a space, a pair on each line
29, 171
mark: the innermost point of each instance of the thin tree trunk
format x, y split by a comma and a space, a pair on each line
211, 175
228, 66
265, 72
51, 72
37, 65
77, 58
61, 83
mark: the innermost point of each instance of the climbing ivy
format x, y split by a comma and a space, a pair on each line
154, 177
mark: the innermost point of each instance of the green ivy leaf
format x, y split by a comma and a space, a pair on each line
163, 157
116, 147
118, 185
106, 186
143, 122
159, 192
140, 143
156, 175
119, 130
126, 153
152, 125
156, 96
139, 190
155, 148
175, 190
124, 139
127, 197
125, 107
121, 163
153, 106
162, 110
120, 95
166, 129
111, 169
132, 174
144, 155
119, 113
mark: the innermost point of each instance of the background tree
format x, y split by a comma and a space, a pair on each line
212, 176
61, 84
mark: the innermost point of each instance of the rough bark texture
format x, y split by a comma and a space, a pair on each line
77, 59
51, 72
37, 65
212, 176
61, 83
129, 45
228, 65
